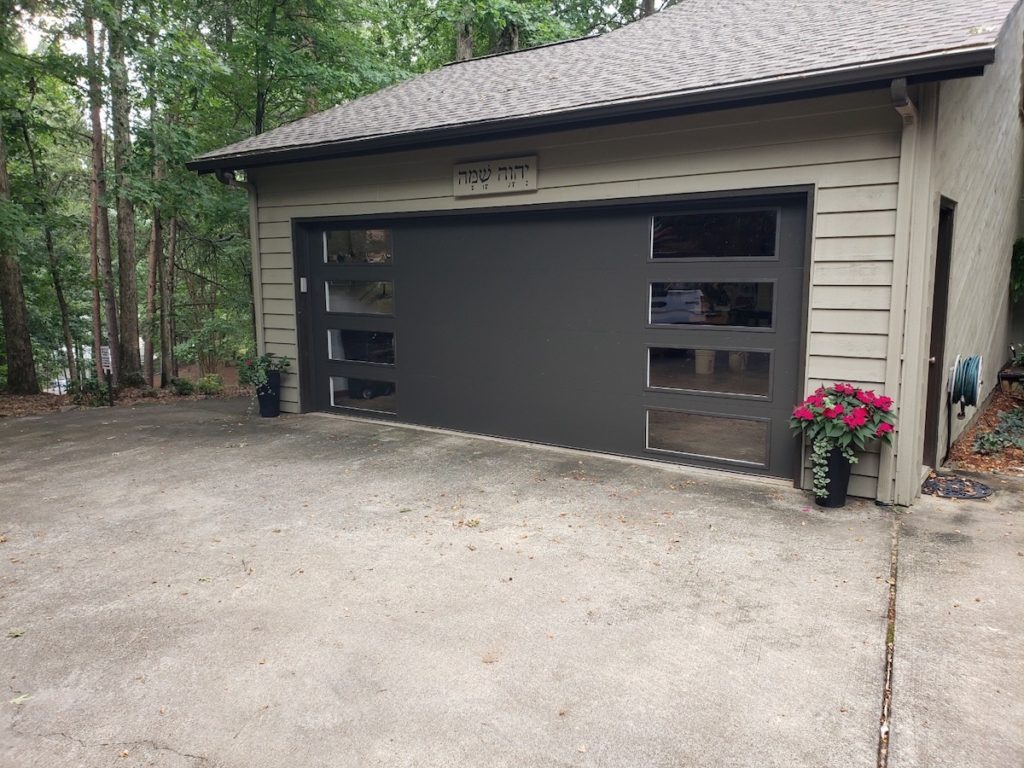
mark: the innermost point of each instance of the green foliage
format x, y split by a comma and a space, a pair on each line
182, 387
89, 393
253, 369
1008, 433
210, 384
204, 75
1017, 271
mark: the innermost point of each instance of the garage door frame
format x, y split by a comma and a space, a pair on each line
304, 249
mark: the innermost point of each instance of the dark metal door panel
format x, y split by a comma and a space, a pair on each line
522, 329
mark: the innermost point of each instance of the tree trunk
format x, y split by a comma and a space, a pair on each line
168, 364
62, 304
100, 216
120, 110
464, 38
21, 367
647, 8
51, 252
509, 38
156, 249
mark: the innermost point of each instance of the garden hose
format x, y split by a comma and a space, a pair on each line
965, 383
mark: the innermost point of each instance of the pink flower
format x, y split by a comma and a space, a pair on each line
883, 429
803, 413
834, 412
857, 418
843, 389
883, 403
867, 397
817, 400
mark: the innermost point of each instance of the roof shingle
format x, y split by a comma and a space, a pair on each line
698, 46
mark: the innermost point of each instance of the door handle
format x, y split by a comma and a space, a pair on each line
931, 361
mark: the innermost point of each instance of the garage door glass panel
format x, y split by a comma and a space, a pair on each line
361, 346
373, 297
722, 304
364, 394
358, 246
716, 235
713, 437
734, 372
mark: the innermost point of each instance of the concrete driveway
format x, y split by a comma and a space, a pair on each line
190, 586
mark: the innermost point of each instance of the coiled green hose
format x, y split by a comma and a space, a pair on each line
967, 382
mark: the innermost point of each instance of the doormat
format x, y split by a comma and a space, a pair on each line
952, 487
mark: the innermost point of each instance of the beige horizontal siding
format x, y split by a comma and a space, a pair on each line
835, 368
850, 321
848, 344
846, 148
853, 273
855, 249
850, 297
280, 336
277, 275
871, 197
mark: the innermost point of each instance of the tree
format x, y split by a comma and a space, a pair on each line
101, 261
120, 112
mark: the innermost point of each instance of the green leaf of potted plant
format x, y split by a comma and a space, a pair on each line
836, 420
263, 372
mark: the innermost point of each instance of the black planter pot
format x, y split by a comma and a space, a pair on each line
838, 480
269, 396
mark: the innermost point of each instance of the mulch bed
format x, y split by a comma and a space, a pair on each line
37, 405
31, 405
962, 455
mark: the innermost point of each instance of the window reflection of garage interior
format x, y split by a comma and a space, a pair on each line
359, 248
737, 372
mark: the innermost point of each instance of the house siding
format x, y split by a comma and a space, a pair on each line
978, 163
847, 147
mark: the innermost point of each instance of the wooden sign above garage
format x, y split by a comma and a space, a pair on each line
507, 175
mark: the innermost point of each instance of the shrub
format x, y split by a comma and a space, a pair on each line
1008, 433
89, 393
182, 387
210, 384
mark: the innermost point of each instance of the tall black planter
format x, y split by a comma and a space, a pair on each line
269, 395
838, 480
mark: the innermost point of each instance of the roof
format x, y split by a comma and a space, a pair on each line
699, 52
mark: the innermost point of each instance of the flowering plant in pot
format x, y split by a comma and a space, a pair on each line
836, 420
264, 373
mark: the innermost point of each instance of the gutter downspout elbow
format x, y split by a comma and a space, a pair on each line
902, 102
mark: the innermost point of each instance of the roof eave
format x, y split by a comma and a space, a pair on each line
948, 65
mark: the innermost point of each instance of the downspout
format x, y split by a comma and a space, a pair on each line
256, 262
901, 468
907, 111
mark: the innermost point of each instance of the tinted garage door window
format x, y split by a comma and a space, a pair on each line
670, 334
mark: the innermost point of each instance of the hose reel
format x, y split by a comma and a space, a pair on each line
965, 383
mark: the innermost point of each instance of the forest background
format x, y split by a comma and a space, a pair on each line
107, 241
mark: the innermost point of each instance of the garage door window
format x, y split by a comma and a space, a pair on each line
718, 371
364, 394
716, 235
358, 246
361, 346
712, 437
368, 297
750, 305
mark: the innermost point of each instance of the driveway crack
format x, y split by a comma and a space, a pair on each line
885, 719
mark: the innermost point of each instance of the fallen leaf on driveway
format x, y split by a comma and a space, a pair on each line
15, 632
21, 699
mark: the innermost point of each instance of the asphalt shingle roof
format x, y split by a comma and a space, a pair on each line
696, 47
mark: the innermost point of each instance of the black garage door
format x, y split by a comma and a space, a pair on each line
663, 332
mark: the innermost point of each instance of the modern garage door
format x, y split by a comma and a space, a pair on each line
663, 332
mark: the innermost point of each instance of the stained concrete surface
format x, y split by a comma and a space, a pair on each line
958, 674
190, 586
